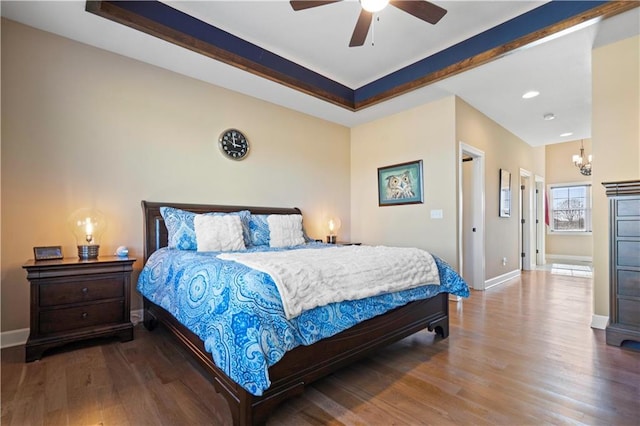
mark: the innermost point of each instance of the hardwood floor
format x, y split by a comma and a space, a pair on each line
522, 353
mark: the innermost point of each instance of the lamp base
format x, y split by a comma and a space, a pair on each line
331, 239
87, 252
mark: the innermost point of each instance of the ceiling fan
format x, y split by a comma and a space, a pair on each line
421, 9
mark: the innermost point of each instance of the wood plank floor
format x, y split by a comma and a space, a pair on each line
519, 354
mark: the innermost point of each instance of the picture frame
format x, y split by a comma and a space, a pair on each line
504, 209
400, 184
47, 253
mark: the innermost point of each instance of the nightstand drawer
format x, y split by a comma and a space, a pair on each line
57, 320
53, 294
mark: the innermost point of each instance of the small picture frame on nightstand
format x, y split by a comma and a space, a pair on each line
47, 253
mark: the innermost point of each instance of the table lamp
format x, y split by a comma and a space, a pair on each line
333, 225
87, 225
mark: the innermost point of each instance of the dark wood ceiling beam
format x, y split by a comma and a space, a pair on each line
123, 13
265, 64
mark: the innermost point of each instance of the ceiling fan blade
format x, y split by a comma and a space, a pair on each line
421, 9
362, 28
308, 4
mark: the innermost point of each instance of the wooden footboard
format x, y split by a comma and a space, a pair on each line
305, 364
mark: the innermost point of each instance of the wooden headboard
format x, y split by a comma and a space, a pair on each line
155, 232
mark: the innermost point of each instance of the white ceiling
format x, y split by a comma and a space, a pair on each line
325, 48
558, 67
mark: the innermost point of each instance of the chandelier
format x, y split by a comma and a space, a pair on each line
580, 163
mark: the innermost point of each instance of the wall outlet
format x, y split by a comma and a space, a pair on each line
504, 261
436, 214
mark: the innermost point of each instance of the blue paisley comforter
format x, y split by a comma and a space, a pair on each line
238, 313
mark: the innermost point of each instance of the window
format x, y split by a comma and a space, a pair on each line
570, 208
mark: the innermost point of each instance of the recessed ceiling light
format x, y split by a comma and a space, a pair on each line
549, 116
564, 135
530, 94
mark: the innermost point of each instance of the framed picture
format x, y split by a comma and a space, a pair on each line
47, 253
400, 184
505, 193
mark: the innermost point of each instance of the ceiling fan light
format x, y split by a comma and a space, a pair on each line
373, 6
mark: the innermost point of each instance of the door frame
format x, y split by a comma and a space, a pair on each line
526, 231
478, 266
540, 206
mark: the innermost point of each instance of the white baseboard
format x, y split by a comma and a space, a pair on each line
569, 257
136, 316
19, 337
14, 338
501, 279
599, 322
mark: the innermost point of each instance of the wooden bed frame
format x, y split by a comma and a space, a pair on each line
303, 364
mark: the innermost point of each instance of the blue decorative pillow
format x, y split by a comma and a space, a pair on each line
182, 234
258, 230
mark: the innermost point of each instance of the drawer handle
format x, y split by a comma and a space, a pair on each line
84, 315
85, 290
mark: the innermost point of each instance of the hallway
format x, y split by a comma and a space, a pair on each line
568, 267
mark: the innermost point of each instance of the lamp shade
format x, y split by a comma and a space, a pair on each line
88, 226
333, 225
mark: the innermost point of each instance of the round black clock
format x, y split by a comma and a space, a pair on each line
233, 144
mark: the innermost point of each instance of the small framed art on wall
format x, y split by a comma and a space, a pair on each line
400, 184
505, 193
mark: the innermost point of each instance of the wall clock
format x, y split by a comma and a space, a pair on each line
234, 144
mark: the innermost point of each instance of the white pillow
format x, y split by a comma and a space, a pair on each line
218, 233
285, 230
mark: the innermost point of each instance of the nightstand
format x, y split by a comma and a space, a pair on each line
74, 300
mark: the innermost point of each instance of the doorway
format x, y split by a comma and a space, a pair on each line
471, 216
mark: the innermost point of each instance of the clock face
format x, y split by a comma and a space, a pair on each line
233, 144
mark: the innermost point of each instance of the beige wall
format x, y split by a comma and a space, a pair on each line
423, 133
84, 127
539, 159
616, 143
503, 150
560, 170
431, 132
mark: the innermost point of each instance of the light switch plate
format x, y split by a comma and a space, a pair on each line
436, 214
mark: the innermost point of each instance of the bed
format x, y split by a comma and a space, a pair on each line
303, 363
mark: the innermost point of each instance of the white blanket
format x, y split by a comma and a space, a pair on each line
307, 278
